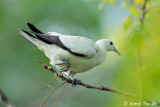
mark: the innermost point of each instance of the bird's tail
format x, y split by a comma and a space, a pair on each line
38, 43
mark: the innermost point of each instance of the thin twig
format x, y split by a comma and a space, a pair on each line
139, 54
51, 93
99, 87
57, 99
48, 85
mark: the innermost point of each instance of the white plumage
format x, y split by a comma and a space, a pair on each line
80, 45
70, 54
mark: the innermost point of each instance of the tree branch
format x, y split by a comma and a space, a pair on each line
139, 53
5, 100
99, 87
143, 13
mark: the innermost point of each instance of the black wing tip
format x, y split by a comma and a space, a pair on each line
33, 28
29, 24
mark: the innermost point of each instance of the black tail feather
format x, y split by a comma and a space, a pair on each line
28, 33
46, 39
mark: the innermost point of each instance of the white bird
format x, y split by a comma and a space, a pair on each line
69, 54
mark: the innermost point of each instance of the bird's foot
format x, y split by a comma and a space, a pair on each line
75, 82
62, 65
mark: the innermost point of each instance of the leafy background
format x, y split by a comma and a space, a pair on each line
135, 71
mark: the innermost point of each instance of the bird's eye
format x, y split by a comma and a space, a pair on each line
111, 43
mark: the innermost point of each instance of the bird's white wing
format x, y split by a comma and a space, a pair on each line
80, 45
76, 45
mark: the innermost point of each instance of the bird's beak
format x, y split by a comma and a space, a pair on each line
115, 50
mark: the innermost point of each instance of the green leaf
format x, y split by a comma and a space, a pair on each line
134, 10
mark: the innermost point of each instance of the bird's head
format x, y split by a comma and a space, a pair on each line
108, 45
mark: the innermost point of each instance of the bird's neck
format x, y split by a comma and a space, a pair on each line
101, 55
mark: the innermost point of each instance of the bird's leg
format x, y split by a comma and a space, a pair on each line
62, 65
65, 74
69, 75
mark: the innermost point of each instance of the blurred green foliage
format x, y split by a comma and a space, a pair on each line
22, 78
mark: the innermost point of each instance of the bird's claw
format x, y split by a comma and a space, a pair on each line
75, 82
63, 65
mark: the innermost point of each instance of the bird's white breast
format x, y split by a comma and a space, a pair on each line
77, 64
